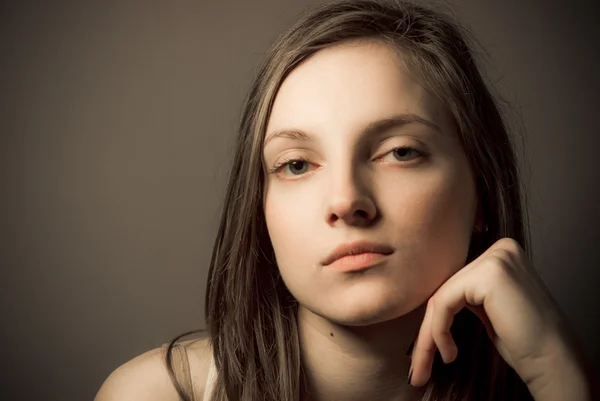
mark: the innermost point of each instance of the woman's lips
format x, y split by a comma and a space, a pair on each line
357, 253
361, 261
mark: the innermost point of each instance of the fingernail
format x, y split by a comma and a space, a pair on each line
410, 374
410, 348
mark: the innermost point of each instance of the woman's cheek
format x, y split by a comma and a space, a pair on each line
451, 212
290, 222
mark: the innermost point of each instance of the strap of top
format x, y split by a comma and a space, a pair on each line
181, 367
210, 380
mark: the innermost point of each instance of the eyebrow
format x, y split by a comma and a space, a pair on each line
374, 128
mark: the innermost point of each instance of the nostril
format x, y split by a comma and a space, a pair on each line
362, 214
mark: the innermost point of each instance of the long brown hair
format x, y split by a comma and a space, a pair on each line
250, 314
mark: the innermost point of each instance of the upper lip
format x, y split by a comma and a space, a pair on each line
355, 248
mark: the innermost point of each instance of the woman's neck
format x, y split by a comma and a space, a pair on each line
358, 362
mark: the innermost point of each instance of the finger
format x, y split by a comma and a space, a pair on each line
441, 322
448, 300
423, 352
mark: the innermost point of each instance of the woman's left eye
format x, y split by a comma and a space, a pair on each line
403, 153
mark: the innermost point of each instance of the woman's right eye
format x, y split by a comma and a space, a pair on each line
296, 166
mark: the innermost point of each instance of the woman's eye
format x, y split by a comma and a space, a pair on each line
404, 153
295, 167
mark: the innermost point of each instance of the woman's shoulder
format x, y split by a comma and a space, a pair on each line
146, 377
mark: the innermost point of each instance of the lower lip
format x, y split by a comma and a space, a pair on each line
352, 263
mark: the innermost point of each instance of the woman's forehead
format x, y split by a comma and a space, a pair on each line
350, 85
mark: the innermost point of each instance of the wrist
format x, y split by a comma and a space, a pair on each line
560, 376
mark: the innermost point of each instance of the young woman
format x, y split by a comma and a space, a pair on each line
373, 243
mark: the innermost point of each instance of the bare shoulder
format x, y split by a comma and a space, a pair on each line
145, 377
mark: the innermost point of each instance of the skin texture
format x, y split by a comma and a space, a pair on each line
354, 328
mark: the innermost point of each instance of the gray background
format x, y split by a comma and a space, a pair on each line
116, 125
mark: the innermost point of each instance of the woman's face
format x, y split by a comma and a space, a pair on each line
344, 111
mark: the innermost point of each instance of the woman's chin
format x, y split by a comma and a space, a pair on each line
366, 307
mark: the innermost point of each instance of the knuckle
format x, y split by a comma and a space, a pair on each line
498, 265
511, 246
439, 339
437, 301
499, 256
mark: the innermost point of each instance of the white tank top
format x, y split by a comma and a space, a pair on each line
210, 380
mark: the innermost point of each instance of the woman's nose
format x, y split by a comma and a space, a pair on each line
350, 200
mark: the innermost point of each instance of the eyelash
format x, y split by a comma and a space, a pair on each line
279, 166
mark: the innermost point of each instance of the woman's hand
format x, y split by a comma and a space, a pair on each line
520, 316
